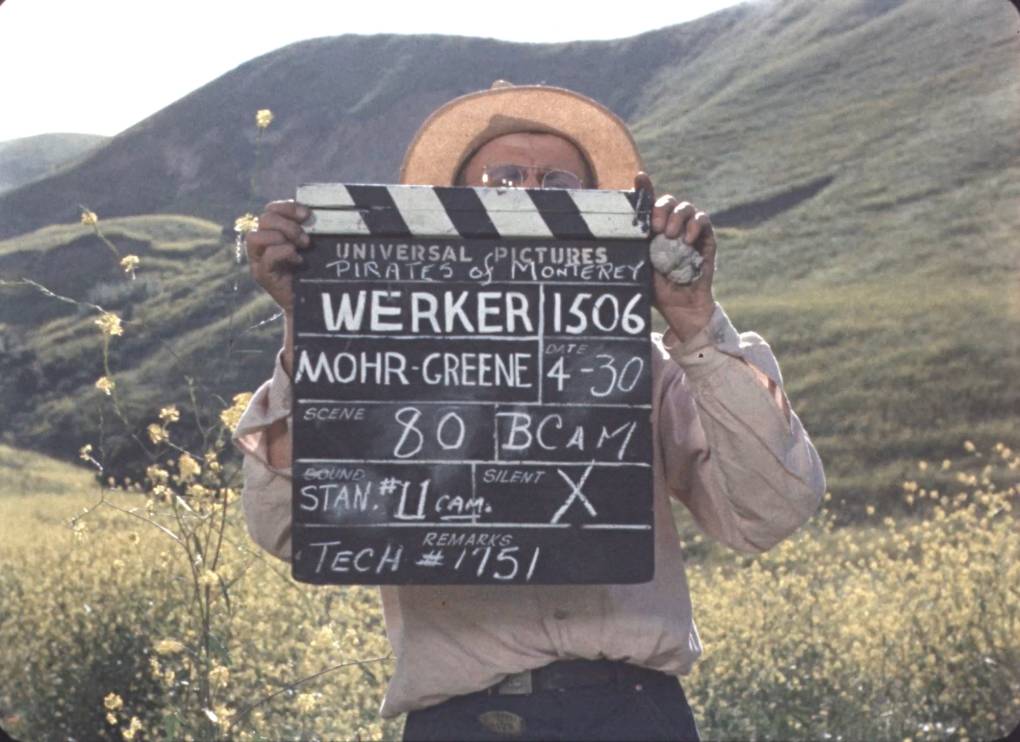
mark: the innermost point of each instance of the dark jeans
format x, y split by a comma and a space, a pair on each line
651, 711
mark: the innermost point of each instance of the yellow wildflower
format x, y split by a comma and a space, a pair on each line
323, 638
85, 453
198, 491
263, 118
922, 465
112, 702
219, 676
89, 218
306, 702
157, 433
946, 463
209, 579
156, 473
109, 323
187, 467
111, 718
168, 646
162, 492
870, 510
231, 416
223, 716
129, 263
969, 446
133, 728
105, 384
247, 223
169, 414
211, 462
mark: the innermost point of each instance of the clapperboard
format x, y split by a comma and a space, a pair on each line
472, 387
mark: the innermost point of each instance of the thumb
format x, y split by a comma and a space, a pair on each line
645, 198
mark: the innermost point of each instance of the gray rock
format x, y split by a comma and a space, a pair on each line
679, 262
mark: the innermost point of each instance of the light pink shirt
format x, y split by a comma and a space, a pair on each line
733, 453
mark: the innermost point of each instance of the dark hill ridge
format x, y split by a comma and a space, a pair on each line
346, 108
31, 158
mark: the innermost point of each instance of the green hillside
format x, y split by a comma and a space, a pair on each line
886, 373
70, 259
890, 295
28, 473
30, 158
182, 318
860, 158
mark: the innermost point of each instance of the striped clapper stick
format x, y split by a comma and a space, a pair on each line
472, 387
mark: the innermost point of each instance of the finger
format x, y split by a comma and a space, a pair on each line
664, 205
706, 244
290, 209
289, 228
280, 259
643, 184
678, 220
701, 234
645, 197
258, 241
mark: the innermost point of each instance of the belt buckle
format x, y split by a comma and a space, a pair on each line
518, 684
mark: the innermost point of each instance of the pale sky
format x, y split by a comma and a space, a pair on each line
99, 66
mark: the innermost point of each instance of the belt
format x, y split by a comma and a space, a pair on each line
564, 674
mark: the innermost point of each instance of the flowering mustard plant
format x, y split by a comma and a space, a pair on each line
109, 324
263, 118
105, 384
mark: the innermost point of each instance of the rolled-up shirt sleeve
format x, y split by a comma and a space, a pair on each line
732, 449
266, 496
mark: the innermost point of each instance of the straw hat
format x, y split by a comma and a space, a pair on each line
456, 130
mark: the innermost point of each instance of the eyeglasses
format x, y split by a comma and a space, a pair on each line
513, 176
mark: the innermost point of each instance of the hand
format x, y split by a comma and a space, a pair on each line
274, 249
686, 308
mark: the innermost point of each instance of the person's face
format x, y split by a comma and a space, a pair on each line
539, 153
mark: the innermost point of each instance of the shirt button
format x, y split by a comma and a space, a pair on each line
559, 614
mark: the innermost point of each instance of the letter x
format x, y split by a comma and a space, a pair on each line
575, 493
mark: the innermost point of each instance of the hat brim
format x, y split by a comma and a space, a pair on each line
456, 130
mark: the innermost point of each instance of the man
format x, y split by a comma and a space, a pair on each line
584, 661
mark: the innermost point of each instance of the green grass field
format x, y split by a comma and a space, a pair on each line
103, 622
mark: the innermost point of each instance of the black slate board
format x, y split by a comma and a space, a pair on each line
472, 409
